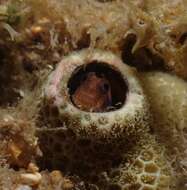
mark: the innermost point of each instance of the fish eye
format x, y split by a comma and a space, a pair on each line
105, 87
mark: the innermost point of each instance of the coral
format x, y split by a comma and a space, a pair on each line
128, 116
94, 163
167, 95
170, 40
141, 165
63, 26
167, 98
149, 170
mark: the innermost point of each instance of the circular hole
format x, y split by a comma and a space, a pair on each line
141, 22
97, 87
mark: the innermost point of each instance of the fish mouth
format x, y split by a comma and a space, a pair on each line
97, 87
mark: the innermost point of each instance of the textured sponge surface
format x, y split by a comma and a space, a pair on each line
168, 99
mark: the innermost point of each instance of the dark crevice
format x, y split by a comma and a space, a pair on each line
127, 46
29, 66
114, 187
143, 59
10, 79
84, 41
183, 38
179, 38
